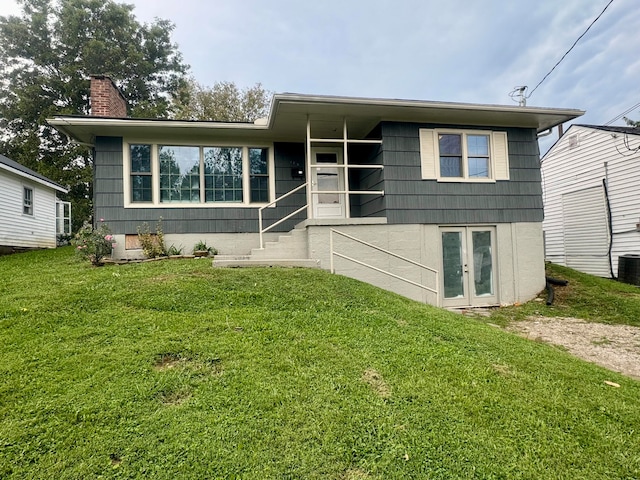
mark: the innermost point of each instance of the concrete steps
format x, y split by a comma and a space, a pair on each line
278, 262
288, 246
290, 250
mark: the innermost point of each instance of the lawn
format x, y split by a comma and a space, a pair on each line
173, 369
587, 297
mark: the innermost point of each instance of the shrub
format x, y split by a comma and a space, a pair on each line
202, 247
152, 244
94, 244
173, 250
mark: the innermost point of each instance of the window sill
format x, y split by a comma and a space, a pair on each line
195, 205
465, 180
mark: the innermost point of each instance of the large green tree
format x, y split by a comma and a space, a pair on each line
46, 56
224, 101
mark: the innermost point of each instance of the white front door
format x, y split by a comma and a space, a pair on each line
327, 176
468, 266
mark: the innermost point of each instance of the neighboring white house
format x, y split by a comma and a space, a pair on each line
30, 213
591, 194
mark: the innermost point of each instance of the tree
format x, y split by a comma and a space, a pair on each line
631, 123
46, 56
222, 102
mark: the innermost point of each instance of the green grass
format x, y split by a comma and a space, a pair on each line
175, 370
587, 297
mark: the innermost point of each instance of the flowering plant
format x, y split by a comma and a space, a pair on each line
94, 243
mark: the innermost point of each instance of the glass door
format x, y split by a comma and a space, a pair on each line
468, 266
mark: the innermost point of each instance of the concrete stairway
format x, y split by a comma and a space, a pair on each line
290, 250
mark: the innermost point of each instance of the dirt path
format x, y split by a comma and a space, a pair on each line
616, 347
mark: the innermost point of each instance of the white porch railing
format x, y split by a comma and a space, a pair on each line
292, 214
333, 254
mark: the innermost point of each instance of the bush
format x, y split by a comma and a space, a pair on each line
152, 244
203, 247
94, 244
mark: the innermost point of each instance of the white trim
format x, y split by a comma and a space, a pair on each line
31, 178
155, 174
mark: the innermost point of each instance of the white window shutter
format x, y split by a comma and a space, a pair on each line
428, 153
500, 156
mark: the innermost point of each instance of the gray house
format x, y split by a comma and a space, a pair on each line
440, 202
31, 215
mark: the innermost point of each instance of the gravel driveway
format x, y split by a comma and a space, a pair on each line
616, 347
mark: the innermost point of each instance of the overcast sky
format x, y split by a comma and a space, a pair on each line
455, 50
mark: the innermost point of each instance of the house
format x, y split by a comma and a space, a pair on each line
591, 202
31, 216
440, 202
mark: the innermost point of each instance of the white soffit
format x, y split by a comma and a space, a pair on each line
289, 112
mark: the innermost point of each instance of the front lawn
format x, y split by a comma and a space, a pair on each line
174, 369
587, 297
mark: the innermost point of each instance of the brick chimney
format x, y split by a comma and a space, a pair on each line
106, 98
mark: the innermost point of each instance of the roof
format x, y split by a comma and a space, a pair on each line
611, 128
289, 112
22, 171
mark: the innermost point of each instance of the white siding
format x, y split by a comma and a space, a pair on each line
596, 156
586, 236
19, 230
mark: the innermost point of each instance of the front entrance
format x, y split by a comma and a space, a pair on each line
327, 176
468, 266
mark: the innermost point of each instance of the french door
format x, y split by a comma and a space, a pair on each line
468, 275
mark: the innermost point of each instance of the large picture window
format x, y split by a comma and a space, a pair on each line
190, 174
473, 155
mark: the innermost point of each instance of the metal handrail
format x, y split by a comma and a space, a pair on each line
388, 252
264, 230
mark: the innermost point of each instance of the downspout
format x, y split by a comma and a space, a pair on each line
610, 222
545, 133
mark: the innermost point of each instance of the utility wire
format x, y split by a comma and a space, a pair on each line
567, 53
622, 114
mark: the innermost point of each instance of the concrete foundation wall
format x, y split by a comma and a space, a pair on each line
225, 243
519, 271
519, 256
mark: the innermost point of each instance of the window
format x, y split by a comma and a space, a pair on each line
179, 174
223, 174
63, 218
473, 155
259, 174
27, 201
140, 173
199, 175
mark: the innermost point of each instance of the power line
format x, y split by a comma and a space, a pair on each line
618, 117
567, 52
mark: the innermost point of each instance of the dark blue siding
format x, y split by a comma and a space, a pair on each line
412, 200
109, 198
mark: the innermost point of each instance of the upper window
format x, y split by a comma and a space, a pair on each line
464, 156
27, 201
199, 175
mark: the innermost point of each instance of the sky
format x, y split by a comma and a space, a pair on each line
472, 51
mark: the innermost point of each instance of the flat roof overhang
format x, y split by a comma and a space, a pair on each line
288, 119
